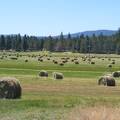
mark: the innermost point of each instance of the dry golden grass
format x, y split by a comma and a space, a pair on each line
70, 86
95, 113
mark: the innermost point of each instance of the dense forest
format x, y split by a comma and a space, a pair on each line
82, 44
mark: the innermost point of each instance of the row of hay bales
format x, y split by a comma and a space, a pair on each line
13, 58
75, 59
66, 60
56, 75
49, 55
10, 88
109, 79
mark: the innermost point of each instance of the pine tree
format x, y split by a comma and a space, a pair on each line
2, 42
25, 42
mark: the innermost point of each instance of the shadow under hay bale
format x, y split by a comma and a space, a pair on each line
107, 81
116, 74
10, 88
43, 73
57, 75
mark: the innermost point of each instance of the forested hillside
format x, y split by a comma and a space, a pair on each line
83, 44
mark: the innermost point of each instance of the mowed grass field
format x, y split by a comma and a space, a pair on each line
49, 99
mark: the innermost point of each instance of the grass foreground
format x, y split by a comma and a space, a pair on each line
49, 99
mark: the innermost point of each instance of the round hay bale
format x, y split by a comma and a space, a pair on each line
107, 80
84, 59
89, 59
10, 88
2, 57
61, 64
13, 58
111, 81
102, 81
48, 58
76, 62
64, 61
109, 59
26, 60
55, 62
110, 66
72, 60
93, 56
67, 58
63, 58
57, 75
43, 73
113, 62
92, 63
39, 59
116, 74
75, 59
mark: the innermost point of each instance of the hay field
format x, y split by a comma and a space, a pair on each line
49, 99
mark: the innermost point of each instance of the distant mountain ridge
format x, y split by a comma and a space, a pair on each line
96, 32
85, 33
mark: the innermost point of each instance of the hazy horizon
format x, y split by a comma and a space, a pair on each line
44, 17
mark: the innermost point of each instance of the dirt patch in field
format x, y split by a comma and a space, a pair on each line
95, 113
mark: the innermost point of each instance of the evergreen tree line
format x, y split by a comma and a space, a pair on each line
82, 44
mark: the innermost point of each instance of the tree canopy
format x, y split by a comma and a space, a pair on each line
83, 44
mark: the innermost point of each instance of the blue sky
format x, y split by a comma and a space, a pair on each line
50, 17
